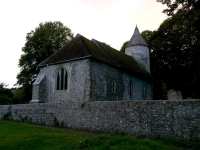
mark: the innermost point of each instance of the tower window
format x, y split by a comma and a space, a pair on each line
61, 79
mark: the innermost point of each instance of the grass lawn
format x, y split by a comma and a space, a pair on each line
14, 136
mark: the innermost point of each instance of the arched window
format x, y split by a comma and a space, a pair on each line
113, 86
61, 79
130, 88
144, 92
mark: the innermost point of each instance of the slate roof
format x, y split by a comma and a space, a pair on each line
80, 47
136, 39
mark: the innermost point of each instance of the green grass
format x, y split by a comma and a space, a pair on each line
14, 136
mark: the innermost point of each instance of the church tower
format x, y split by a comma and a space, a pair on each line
138, 49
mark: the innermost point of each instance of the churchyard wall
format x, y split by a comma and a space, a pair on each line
150, 118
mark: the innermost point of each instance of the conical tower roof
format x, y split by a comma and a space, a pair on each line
136, 39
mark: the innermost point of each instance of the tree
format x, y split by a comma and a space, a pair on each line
122, 49
175, 47
175, 53
146, 35
6, 95
40, 44
20, 95
180, 5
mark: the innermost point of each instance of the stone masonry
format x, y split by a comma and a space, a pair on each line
150, 118
92, 70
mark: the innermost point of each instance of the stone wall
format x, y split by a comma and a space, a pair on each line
78, 87
88, 79
137, 90
158, 119
140, 54
102, 78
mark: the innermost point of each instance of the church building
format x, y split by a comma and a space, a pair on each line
89, 70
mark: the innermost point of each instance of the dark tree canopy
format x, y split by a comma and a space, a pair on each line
6, 95
175, 51
146, 35
40, 44
180, 5
122, 49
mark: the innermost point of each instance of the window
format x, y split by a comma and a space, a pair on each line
144, 92
130, 88
113, 86
61, 79
146, 61
105, 89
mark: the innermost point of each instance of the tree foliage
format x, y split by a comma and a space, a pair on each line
6, 95
122, 49
146, 35
180, 5
22, 94
40, 44
175, 49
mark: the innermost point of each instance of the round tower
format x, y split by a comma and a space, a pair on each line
138, 49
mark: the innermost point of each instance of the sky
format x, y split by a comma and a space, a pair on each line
109, 21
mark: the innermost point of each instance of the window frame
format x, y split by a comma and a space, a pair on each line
144, 94
61, 79
113, 86
130, 88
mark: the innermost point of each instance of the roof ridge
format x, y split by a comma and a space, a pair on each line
81, 48
60, 55
55, 53
95, 42
80, 36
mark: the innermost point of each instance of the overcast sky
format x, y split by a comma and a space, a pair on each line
110, 21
